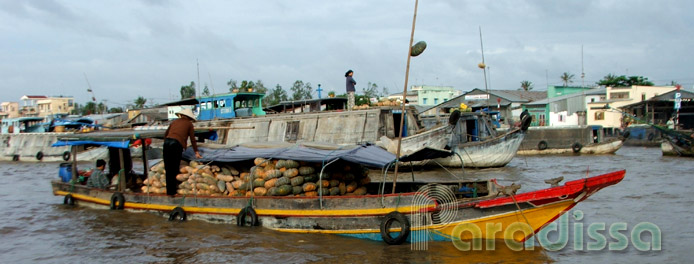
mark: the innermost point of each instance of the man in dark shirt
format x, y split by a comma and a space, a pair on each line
176, 138
98, 179
350, 89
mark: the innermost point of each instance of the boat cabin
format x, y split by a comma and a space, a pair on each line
23, 125
310, 105
472, 126
230, 105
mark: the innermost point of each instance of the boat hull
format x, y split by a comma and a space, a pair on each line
496, 152
609, 147
673, 150
361, 216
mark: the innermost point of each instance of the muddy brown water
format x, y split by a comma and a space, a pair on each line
35, 227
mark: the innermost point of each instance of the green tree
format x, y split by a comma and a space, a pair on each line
188, 91
276, 96
371, 90
624, 81
116, 110
260, 87
89, 108
384, 92
140, 102
567, 78
206, 91
526, 85
232, 85
301, 91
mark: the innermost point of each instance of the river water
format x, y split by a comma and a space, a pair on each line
35, 227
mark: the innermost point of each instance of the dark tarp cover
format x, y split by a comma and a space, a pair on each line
367, 155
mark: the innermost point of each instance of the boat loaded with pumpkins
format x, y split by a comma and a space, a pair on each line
323, 189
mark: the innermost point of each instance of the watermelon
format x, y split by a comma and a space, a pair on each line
418, 48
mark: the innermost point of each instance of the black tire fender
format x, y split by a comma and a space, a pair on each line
626, 134
385, 228
69, 200
542, 145
177, 214
15, 158
525, 122
247, 212
66, 155
651, 136
576, 147
39, 155
117, 201
453, 119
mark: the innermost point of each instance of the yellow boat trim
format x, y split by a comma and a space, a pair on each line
260, 212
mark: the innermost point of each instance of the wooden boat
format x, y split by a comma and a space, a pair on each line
415, 208
569, 140
676, 143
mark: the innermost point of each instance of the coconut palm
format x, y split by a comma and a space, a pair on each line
567, 78
526, 85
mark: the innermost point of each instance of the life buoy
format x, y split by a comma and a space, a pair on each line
177, 214
453, 119
117, 201
66, 155
248, 211
39, 155
542, 145
525, 122
651, 136
69, 200
15, 158
576, 147
387, 221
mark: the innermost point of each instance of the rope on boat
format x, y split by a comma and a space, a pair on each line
506, 190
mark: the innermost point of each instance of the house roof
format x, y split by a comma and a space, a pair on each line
669, 96
509, 96
35, 96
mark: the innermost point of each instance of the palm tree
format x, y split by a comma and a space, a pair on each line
567, 78
140, 102
526, 85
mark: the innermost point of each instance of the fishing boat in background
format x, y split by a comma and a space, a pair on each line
415, 211
676, 142
569, 140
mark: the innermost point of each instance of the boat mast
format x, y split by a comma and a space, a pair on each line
484, 69
404, 96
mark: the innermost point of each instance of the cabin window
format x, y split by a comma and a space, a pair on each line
209, 105
214, 103
237, 104
436, 100
600, 115
424, 101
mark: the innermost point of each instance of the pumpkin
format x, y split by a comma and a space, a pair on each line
229, 187
325, 183
215, 168
260, 191
297, 181
280, 164
311, 194
272, 173
221, 185
245, 176
360, 191
270, 183
237, 184
258, 183
272, 191
306, 170
212, 188
259, 161
233, 171
309, 187
418, 48
338, 176
201, 186
283, 169
334, 183
243, 186
291, 173
291, 164
297, 190
334, 191
352, 186
194, 163
311, 178
364, 181
284, 190
343, 188
349, 177
282, 181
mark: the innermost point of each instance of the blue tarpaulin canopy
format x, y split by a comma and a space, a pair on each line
111, 144
367, 155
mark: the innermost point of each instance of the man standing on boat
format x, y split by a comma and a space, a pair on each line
176, 137
350, 89
98, 179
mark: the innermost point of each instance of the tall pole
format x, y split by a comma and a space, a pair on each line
404, 97
484, 68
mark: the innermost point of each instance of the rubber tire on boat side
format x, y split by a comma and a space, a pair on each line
248, 211
15, 158
385, 228
178, 214
117, 198
66, 155
626, 134
576, 147
542, 145
651, 136
69, 200
453, 119
39, 155
525, 122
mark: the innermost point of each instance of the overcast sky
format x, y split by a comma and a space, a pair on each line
144, 48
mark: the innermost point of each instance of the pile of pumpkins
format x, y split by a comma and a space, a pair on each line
391, 102
266, 178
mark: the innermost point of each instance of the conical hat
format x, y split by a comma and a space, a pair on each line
187, 112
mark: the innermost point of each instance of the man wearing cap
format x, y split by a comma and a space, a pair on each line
350, 89
176, 137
